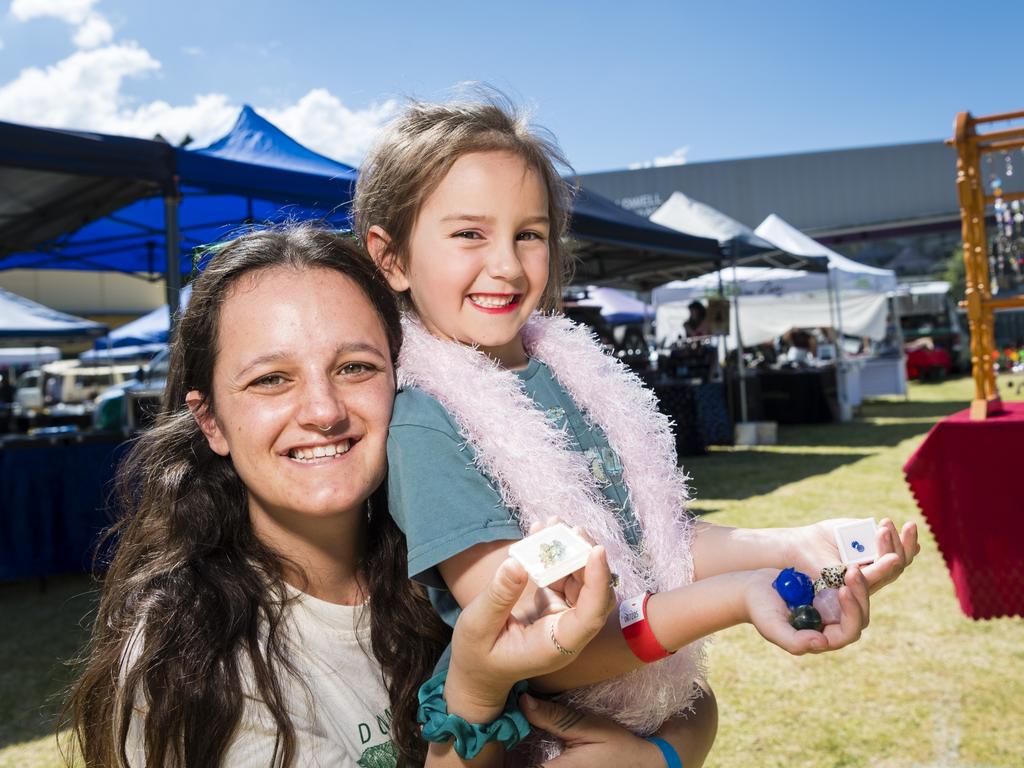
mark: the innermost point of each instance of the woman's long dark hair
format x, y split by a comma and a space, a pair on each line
192, 588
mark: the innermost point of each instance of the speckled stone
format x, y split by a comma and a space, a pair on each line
794, 587
832, 577
806, 617
826, 603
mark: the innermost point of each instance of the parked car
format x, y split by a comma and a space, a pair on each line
927, 311
32, 383
66, 381
132, 404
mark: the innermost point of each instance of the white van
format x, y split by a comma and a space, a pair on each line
68, 382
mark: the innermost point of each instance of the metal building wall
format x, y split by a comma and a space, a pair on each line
819, 192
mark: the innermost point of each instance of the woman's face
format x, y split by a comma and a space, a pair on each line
302, 391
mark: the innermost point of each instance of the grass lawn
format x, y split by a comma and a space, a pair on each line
925, 686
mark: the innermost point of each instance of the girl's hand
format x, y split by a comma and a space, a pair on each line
769, 614
491, 650
589, 740
813, 547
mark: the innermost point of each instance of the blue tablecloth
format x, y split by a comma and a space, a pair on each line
55, 503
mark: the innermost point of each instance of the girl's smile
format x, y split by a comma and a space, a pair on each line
495, 303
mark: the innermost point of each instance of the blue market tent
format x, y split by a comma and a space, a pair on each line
151, 328
144, 334
54, 182
617, 247
23, 321
255, 173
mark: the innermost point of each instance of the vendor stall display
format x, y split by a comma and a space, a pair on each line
964, 473
971, 146
963, 478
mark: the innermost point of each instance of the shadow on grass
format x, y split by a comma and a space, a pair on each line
45, 627
742, 474
853, 435
922, 409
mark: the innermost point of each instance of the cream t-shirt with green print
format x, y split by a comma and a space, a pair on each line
338, 704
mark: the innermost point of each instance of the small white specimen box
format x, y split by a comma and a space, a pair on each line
551, 554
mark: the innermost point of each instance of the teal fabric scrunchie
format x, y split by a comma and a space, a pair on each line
509, 728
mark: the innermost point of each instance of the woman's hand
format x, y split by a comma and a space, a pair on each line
770, 615
812, 547
589, 740
491, 650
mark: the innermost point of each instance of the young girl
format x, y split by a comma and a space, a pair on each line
507, 417
257, 611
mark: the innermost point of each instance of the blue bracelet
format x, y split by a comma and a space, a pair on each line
667, 751
509, 728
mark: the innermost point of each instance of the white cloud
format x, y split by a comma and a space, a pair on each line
323, 123
92, 28
85, 91
94, 32
676, 157
71, 11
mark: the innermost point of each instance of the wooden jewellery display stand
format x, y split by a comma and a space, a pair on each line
970, 146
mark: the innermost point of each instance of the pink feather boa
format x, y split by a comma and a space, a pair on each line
539, 475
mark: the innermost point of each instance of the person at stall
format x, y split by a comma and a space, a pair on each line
697, 323
257, 611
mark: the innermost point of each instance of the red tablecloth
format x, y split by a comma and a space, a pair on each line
968, 479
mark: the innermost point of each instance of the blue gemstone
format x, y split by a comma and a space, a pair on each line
857, 545
794, 587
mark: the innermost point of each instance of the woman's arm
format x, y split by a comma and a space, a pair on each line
596, 741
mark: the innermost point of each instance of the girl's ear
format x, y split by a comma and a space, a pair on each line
207, 423
378, 244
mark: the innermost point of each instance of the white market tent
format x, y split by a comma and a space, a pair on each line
847, 274
852, 297
772, 302
617, 307
23, 321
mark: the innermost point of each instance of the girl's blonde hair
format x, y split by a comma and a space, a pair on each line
419, 148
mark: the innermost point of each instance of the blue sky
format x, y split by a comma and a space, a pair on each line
618, 83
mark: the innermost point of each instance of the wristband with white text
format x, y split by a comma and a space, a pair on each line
637, 632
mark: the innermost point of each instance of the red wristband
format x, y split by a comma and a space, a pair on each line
637, 632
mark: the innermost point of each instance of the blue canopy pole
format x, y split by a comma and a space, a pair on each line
173, 237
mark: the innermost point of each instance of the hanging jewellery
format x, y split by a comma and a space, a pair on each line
328, 428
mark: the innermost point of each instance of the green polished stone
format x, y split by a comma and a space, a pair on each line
806, 617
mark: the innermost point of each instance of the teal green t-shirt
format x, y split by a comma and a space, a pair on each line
445, 505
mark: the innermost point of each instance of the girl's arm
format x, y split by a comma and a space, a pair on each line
677, 617
720, 549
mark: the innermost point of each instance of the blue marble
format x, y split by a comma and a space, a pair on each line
794, 587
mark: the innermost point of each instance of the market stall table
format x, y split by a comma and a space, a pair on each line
965, 479
55, 494
799, 395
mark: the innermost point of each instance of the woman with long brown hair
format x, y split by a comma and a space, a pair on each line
257, 610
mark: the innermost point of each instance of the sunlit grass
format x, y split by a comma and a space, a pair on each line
925, 686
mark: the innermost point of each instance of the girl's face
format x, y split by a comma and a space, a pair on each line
478, 254
302, 390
